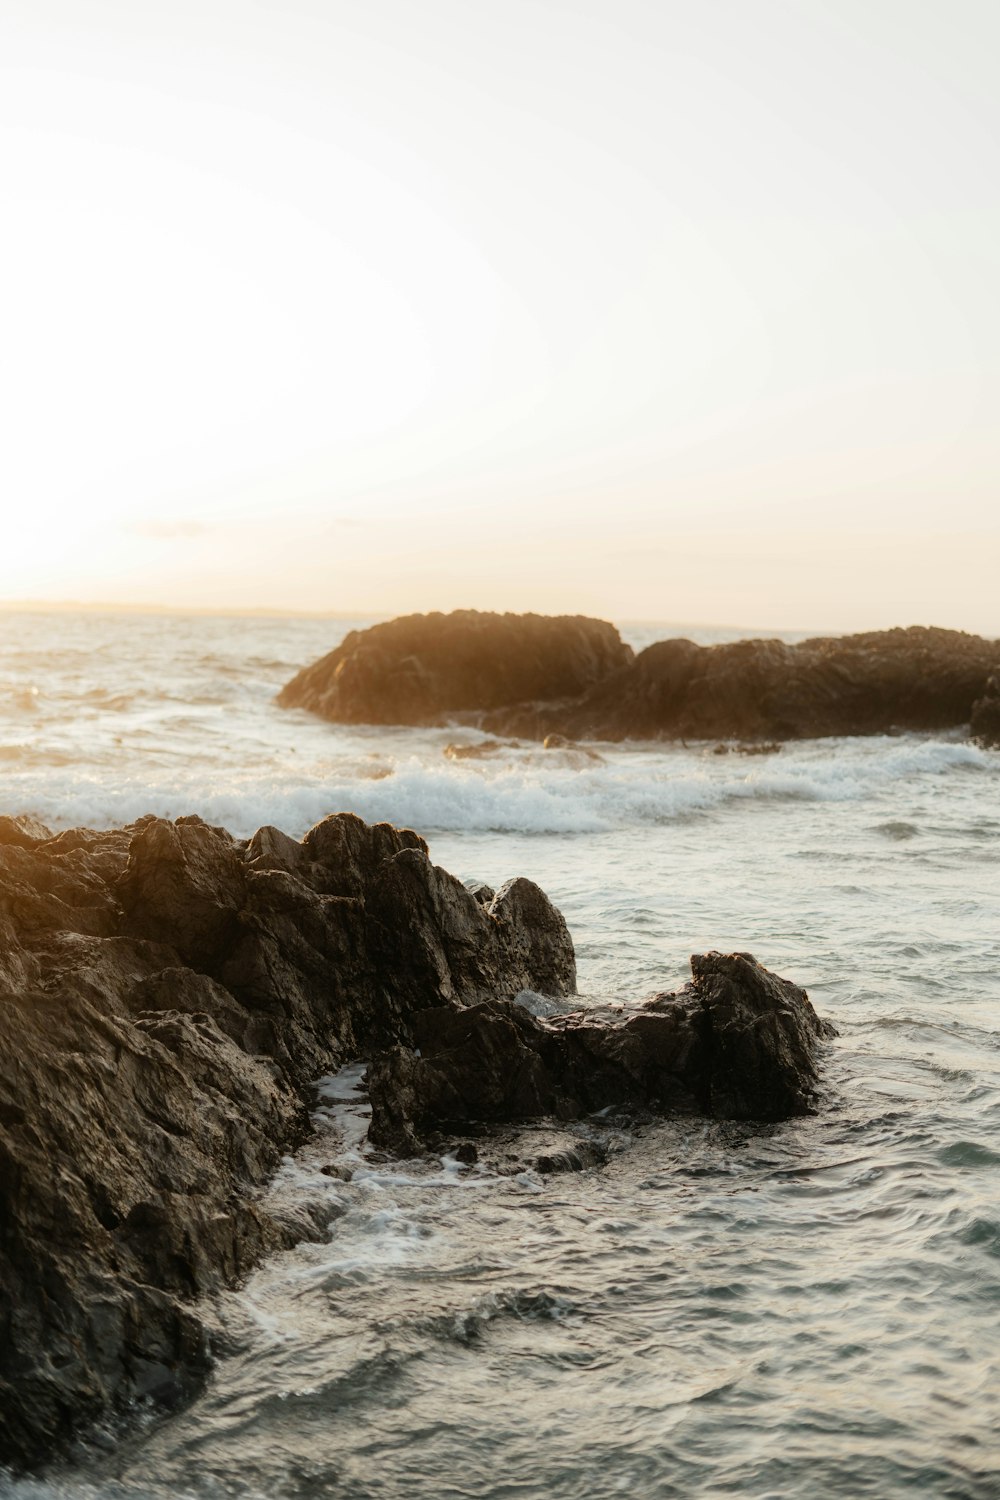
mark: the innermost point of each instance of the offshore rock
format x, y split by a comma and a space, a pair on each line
440, 668
563, 679
167, 995
737, 1042
921, 678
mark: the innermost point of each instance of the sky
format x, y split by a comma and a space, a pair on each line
662, 311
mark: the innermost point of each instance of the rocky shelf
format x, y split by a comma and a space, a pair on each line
538, 676
168, 994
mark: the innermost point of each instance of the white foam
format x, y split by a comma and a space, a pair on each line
519, 792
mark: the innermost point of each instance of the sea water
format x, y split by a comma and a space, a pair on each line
806, 1309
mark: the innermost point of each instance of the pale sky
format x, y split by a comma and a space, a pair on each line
681, 311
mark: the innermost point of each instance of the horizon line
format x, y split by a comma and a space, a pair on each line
249, 611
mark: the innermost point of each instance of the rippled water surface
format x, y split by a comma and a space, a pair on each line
804, 1310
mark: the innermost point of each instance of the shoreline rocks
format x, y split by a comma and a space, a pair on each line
564, 679
737, 1042
169, 995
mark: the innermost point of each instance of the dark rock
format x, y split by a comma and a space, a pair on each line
566, 1153
563, 679
985, 723
566, 678
919, 678
334, 1169
436, 668
737, 1042
167, 996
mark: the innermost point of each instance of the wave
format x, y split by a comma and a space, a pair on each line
529, 792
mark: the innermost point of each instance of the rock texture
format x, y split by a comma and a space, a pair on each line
737, 1041
919, 678
437, 668
167, 993
167, 996
565, 679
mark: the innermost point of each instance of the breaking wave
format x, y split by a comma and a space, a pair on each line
525, 790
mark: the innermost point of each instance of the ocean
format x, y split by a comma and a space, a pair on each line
808, 1309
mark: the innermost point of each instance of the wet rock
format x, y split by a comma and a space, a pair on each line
737, 1042
766, 747
566, 1153
577, 754
435, 668
167, 996
481, 750
985, 723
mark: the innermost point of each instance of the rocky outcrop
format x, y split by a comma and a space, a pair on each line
920, 678
167, 994
439, 668
736, 1042
565, 679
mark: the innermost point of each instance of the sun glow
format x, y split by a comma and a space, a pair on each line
349, 313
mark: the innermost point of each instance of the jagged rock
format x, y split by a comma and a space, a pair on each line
437, 668
738, 1042
25, 831
167, 996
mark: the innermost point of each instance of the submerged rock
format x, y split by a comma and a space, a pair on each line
167, 995
437, 668
736, 1042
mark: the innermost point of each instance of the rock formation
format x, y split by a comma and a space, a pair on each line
566, 679
169, 993
433, 669
737, 1042
885, 680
